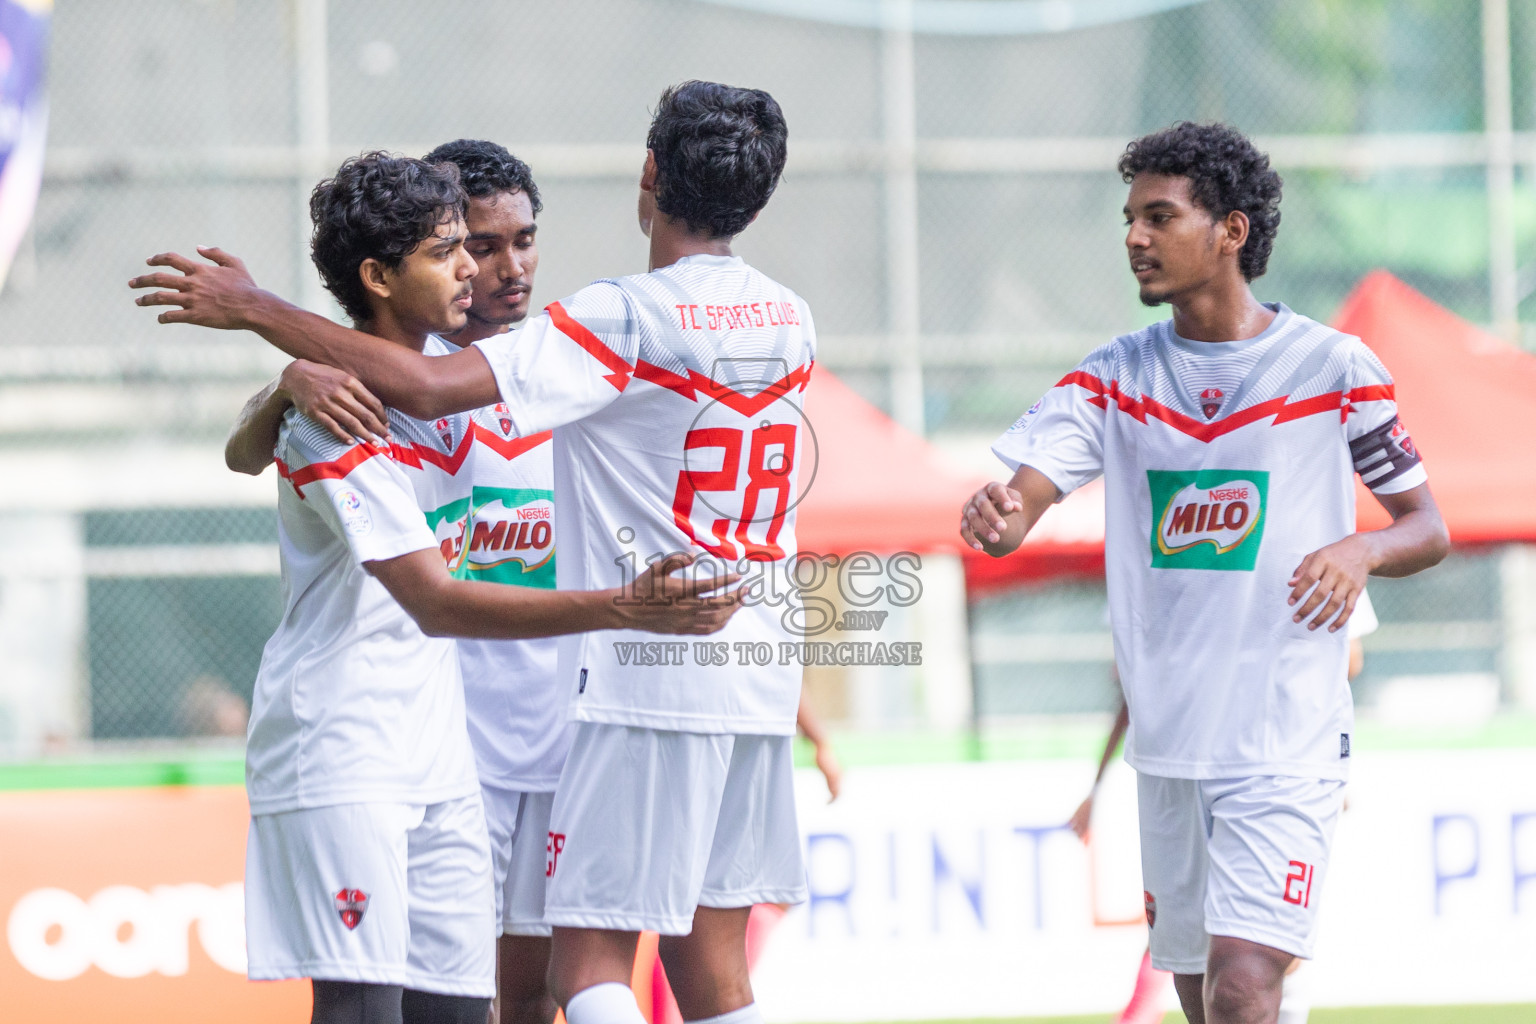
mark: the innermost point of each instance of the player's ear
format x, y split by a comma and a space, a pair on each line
371, 273
648, 172
1234, 232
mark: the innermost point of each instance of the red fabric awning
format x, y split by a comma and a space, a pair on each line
878, 487
1468, 399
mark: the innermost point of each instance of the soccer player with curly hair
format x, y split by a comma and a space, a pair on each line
517, 722
674, 397
1228, 437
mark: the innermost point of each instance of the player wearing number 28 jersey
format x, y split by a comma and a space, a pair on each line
674, 398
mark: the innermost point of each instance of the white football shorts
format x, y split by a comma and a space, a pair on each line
390, 894
1238, 857
519, 826
648, 825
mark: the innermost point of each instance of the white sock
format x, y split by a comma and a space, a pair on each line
608, 1003
748, 1014
1295, 997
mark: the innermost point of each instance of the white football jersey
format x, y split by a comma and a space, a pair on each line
353, 703
518, 721
675, 399
1225, 464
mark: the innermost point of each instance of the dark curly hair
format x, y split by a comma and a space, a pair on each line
719, 153
486, 169
1225, 173
377, 206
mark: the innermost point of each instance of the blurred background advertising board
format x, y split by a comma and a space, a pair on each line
127, 904
959, 879
23, 117
963, 882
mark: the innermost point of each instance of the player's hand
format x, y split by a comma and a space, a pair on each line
1081, 818
981, 520
215, 294
660, 602
830, 768
336, 400
1329, 582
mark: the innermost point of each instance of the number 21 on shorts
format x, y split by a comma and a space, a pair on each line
1298, 884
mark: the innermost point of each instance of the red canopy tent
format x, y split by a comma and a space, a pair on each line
1467, 397
877, 486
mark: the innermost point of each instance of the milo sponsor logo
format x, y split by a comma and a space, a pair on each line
511, 535
1207, 519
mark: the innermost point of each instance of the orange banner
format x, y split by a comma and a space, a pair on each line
127, 905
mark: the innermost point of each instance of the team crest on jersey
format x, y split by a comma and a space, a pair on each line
1210, 402
445, 431
351, 904
1207, 519
504, 418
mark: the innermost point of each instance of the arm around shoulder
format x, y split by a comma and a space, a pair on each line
253, 439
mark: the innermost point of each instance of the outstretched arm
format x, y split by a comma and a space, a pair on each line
1335, 575
998, 517
222, 295
658, 601
332, 398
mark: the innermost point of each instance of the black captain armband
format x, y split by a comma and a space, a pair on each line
1384, 454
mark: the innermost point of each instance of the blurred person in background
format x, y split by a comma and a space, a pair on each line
1228, 438
516, 712
211, 707
701, 354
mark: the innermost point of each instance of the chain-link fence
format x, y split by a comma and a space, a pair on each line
950, 211
1046, 649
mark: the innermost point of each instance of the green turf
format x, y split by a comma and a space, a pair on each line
1082, 737
1505, 1014
1043, 739
185, 769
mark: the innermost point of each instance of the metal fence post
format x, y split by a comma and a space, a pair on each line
312, 113
1498, 129
902, 280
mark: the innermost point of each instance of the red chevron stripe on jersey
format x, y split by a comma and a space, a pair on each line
748, 405
336, 469
509, 448
412, 455
1282, 408
572, 329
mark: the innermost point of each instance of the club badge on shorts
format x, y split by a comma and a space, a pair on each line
350, 904
1151, 905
